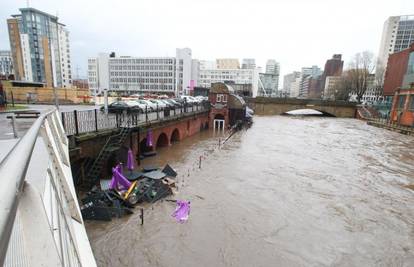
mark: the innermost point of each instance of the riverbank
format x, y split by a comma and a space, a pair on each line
391, 126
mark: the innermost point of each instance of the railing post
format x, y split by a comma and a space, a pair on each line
117, 120
158, 115
146, 114
96, 120
75, 114
63, 121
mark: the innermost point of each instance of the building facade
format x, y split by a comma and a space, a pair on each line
288, 79
6, 63
162, 75
248, 63
40, 48
236, 76
330, 86
397, 35
227, 63
269, 81
399, 72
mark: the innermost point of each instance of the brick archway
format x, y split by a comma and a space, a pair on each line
162, 140
175, 136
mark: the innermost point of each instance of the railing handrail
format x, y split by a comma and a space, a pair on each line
13, 170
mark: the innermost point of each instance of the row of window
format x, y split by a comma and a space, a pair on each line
142, 61
153, 87
142, 67
142, 74
141, 80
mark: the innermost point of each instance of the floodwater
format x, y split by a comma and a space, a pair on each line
289, 191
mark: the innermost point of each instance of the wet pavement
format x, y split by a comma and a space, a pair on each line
289, 191
22, 125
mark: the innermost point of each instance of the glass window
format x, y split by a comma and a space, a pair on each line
410, 68
401, 101
411, 107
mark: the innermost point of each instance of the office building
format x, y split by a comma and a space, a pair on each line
227, 63
243, 77
269, 81
6, 64
163, 75
248, 63
397, 35
333, 68
330, 86
288, 79
40, 48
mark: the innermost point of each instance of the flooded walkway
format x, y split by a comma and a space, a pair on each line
287, 192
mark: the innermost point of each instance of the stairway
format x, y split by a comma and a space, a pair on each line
113, 144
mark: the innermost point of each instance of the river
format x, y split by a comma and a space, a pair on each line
289, 191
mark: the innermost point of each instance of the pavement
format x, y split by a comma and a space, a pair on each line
22, 125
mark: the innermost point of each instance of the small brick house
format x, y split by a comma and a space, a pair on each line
226, 107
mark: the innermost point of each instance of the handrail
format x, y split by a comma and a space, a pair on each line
13, 170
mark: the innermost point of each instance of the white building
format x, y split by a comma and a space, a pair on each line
227, 63
248, 63
64, 54
313, 71
237, 76
330, 86
397, 35
288, 79
165, 75
6, 64
295, 87
37, 41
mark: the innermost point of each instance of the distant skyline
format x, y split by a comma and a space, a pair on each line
297, 33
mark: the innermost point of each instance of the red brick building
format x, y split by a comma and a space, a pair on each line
396, 71
403, 107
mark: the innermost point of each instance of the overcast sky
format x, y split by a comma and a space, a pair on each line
296, 33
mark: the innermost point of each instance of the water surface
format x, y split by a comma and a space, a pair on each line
287, 192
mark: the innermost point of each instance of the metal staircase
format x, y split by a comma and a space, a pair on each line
113, 144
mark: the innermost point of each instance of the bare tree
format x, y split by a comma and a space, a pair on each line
360, 69
342, 88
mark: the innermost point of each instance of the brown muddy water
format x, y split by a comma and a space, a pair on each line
287, 192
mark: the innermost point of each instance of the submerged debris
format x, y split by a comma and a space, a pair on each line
118, 197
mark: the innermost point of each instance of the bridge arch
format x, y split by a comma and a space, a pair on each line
162, 140
308, 112
175, 136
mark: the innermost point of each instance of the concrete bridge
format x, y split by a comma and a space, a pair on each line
278, 106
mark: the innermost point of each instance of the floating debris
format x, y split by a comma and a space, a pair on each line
182, 211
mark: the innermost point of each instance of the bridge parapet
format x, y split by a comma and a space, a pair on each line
278, 106
40, 219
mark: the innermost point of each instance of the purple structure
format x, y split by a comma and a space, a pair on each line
182, 210
130, 160
119, 180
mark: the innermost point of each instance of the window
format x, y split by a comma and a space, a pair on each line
410, 67
221, 98
411, 103
401, 102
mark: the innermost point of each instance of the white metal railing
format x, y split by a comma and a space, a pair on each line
40, 219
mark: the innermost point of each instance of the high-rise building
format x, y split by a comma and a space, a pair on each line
6, 64
269, 81
288, 79
333, 68
397, 35
167, 75
313, 71
248, 63
272, 67
227, 63
40, 48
